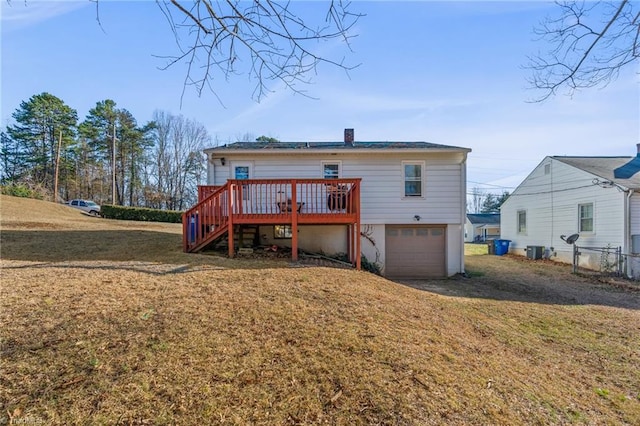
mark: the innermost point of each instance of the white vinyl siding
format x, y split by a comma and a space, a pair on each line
382, 198
635, 214
552, 210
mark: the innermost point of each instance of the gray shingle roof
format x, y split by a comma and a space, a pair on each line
341, 146
624, 171
484, 218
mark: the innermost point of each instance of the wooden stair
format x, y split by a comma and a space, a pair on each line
234, 211
244, 236
207, 222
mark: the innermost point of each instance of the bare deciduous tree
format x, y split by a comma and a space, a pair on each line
590, 42
270, 41
178, 164
477, 198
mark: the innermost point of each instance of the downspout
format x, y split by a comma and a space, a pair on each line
463, 208
627, 232
211, 170
552, 246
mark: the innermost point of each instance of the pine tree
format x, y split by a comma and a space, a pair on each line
45, 128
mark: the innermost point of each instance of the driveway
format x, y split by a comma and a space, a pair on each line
517, 278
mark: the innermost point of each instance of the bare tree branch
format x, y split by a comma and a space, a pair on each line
97, 14
266, 40
590, 43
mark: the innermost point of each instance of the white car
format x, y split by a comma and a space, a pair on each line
86, 206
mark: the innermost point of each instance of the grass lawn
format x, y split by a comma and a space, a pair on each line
472, 249
107, 322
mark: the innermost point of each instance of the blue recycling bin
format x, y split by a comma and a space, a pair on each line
501, 247
193, 227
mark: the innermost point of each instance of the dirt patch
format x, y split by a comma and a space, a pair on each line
517, 278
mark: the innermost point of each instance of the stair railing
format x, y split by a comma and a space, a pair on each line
206, 220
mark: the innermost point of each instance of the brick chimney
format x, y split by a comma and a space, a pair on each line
348, 137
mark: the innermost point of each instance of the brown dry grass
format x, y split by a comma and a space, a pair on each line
106, 322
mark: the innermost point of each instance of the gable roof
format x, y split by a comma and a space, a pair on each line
484, 218
274, 147
624, 171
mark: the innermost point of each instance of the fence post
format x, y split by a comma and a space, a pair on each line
619, 260
575, 258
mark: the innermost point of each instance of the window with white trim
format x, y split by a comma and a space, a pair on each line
522, 221
242, 171
585, 215
282, 231
412, 175
330, 169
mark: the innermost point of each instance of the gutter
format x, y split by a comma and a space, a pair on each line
463, 208
253, 152
627, 225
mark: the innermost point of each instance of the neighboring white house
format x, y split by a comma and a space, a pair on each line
595, 197
413, 197
481, 227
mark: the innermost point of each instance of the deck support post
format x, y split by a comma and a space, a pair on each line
356, 195
350, 249
294, 222
232, 250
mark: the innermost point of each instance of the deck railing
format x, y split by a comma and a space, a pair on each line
205, 190
206, 220
269, 201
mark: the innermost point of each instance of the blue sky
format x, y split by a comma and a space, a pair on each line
449, 73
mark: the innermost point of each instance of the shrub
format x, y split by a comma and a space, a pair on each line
22, 190
365, 263
140, 214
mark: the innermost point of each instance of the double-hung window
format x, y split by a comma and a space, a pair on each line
585, 214
522, 221
413, 179
330, 169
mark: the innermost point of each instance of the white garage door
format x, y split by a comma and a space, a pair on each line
415, 251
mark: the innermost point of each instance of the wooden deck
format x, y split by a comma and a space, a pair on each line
221, 209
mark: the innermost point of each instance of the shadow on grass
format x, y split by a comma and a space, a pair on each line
137, 246
554, 286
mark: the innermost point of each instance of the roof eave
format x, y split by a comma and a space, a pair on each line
335, 151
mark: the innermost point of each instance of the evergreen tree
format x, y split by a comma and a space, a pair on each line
266, 139
45, 129
493, 202
134, 143
99, 129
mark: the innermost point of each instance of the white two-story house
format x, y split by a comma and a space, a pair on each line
400, 204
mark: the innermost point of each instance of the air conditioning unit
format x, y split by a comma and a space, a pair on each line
535, 252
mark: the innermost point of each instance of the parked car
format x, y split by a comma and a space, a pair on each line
86, 206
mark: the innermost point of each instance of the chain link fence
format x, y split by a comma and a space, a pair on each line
601, 260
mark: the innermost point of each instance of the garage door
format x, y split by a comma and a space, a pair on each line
415, 251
